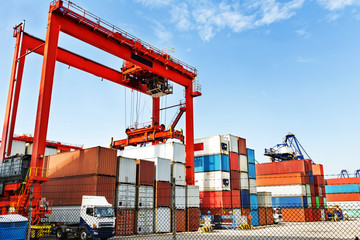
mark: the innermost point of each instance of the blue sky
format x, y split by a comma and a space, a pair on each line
266, 67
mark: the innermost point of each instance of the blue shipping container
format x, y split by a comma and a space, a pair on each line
245, 198
349, 188
251, 155
210, 163
311, 177
255, 217
13, 227
251, 169
289, 202
253, 202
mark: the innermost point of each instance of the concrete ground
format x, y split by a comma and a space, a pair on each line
283, 231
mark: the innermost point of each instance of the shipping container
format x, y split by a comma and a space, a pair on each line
318, 170
253, 188
349, 188
162, 194
264, 199
244, 181
233, 143
211, 146
208, 163
284, 190
145, 172
293, 166
145, 221
193, 219
179, 173
269, 216
216, 211
171, 150
343, 181
180, 197
145, 197
162, 220
215, 199
192, 196
253, 202
125, 222
234, 180
323, 217
180, 220
96, 160
252, 173
213, 181
234, 161
162, 169
255, 217
126, 196
281, 179
238, 217
309, 202
250, 155
293, 214
126, 170
49, 150
69, 191
346, 205
243, 163
245, 199
311, 177
235, 199
308, 190
262, 216
242, 146
319, 180
289, 202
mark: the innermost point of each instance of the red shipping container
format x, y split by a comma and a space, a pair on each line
321, 199
69, 191
308, 165
96, 160
180, 221
293, 166
234, 161
313, 202
216, 211
215, 199
342, 197
242, 146
318, 170
269, 216
262, 216
323, 191
145, 172
317, 190
235, 199
162, 194
235, 180
343, 181
312, 189
193, 219
316, 215
294, 214
309, 215
281, 179
319, 180
245, 211
125, 222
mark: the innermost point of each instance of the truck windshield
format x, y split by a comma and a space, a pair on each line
104, 212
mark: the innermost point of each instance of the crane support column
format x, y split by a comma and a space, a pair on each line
190, 175
10, 112
44, 101
156, 111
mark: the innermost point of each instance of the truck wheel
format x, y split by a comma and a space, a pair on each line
83, 234
60, 234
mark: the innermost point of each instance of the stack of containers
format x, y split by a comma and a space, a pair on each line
289, 182
145, 175
179, 174
320, 192
212, 174
192, 208
244, 179
265, 208
252, 187
344, 192
125, 197
89, 171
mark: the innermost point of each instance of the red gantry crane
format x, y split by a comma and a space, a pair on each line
146, 70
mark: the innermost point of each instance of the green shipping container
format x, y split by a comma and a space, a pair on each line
317, 202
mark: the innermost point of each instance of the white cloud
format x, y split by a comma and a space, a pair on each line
304, 60
155, 3
180, 16
303, 33
161, 32
332, 17
337, 4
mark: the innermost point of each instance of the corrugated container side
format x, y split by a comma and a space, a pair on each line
252, 173
179, 173
127, 170
125, 222
180, 197
293, 166
235, 180
215, 199
211, 146
235, 199
145, 172
318, 170
162, 219
234, 161
253, 201
213, 181
343, 181
253, 188
192, 196
17, 147
281, 179
244, 181
180, 221
342, 197
255, 217
162, 169
233, 143
207, 163
245, 198
193, 219
251, 155
145, 221
262, 216
162, 194
126, 196
243, 163
264, 200
350, 188
242, 145
145, 197
289, 202
293, 215
285, 190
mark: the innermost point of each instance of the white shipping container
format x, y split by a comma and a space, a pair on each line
323, 216
179, 173
237, 215
162, 169
233, 143
252, 183
212, 145
349, 205
243, 162
180, 197
145, 221
162, 220
308, 190
127, 170
284, 191
244, 181
192, 196
213, 181
17, 147
145, 196
264, 199
170, 150
126, 196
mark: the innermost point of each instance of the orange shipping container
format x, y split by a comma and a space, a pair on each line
281, 179
342, 197
318, 170
96, 160
343, 181
180, 221
293, 166
269, 216
69, 191
293, 214
262, 216
125, 222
